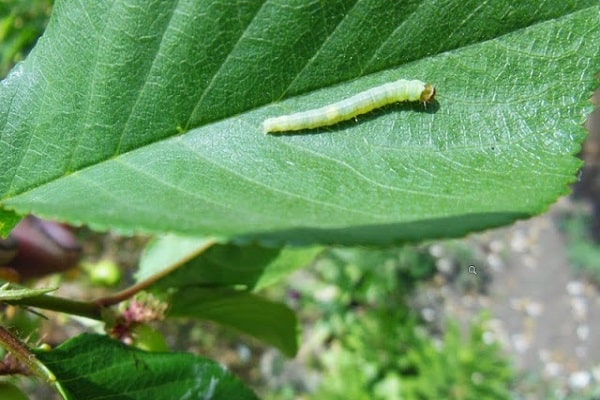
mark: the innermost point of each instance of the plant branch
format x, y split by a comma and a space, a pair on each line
22, 353
93, 309
60, 304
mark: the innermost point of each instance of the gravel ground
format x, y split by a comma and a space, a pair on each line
545, 316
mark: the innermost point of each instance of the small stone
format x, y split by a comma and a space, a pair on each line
583, 332
575, 288
580, 379
520, 343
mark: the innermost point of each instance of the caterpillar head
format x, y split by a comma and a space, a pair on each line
428, 94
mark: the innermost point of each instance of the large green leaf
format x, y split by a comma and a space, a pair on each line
96, 367
147, 116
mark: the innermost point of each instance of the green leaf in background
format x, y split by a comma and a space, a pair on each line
147, 117
8, 220
203, 284
97, 367
271, 322
222, 265
168, 251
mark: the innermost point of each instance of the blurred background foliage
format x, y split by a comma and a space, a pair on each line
373, 344
21, 23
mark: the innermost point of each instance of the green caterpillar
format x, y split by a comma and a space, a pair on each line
363, 102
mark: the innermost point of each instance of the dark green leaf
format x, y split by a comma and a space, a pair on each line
273, 323
97, 367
